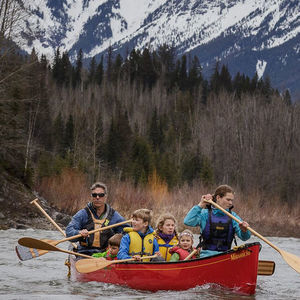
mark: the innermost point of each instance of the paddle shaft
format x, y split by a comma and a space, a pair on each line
73, 253
131, 259
47, 216
239, 221
93, 231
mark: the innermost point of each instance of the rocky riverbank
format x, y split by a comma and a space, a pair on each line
17, 212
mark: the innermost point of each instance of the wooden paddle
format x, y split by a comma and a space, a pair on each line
91, 265
56, 242
43, 245
25, 253
291, 259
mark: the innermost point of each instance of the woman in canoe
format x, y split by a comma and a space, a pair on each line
217, 229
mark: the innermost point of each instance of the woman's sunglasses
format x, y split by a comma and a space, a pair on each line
98, 194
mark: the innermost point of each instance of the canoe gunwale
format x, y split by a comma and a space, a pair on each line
244, 247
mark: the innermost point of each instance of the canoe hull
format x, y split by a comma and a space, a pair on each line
235, 270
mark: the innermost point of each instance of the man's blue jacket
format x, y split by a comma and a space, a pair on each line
80, 221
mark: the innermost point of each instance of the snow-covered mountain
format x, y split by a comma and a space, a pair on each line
247, 35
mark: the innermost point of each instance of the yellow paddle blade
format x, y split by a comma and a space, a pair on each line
291, 259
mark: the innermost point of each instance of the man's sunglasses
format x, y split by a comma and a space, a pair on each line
98, 194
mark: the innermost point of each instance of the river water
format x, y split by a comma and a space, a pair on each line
46, 277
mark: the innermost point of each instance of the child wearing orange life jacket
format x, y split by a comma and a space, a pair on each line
166, 235
113, 248
184, 247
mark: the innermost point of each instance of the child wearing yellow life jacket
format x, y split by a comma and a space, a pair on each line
139, 240
112, 249
166, 234
184, 248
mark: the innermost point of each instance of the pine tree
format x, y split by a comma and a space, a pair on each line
76, 78
148, 74
109, 67
142, 164
182, 76
112, 145
99, 72
215, 79
116, 73
155, 131
66, 70
194, 76
191, 168
92, 71
69, 135
58, 135
287, 97
225, 79
56, 68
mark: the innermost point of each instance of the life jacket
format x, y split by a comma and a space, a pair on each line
108, 256
218, 232
98, 239
182, 253
138, 245
165, 247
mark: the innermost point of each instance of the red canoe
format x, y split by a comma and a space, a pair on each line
235, 270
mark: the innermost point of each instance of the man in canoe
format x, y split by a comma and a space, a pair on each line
96, 214
217, 229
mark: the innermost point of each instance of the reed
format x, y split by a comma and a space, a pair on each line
69, 192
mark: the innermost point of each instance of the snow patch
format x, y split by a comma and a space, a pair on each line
260, 68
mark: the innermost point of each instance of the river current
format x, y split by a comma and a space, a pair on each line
46, 277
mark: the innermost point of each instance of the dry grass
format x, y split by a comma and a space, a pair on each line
70, 192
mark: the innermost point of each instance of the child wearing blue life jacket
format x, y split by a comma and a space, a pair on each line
184, 247
166, 235
113, 248
139, 240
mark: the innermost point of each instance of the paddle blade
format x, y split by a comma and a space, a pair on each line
37, 244
291, 259
265, 267
91, 265
25, 253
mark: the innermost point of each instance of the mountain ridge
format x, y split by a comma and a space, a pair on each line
235, 32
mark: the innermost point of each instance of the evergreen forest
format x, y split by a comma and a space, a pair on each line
151, 113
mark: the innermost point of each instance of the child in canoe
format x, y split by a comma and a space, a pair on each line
113, 248
139, 240
184, 247
166, 234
